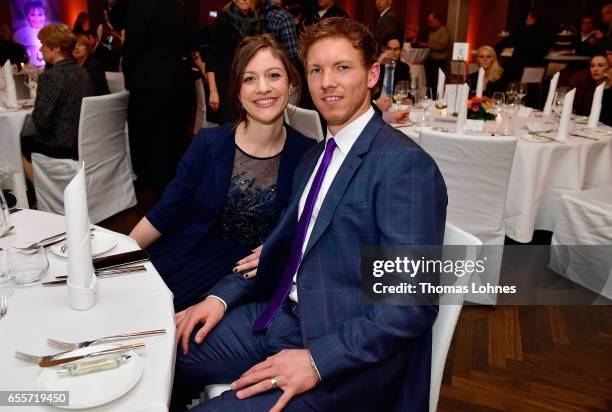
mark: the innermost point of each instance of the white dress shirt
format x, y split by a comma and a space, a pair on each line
345, 139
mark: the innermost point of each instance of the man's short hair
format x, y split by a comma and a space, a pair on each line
436, 15
357, 34
391, 36
34, 4
58, 35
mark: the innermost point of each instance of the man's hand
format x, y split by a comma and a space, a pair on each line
209, 312
384, 103
248, 263
291, 370
213, 101
398, 116
386, 58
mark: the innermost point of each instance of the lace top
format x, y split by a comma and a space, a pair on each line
249, 206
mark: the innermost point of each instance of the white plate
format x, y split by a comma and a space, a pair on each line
94, 389
100, 243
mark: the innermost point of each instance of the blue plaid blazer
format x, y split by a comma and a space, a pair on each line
387, 191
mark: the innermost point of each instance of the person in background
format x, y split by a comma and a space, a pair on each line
156, 50
237, 21
587, 40
388, 23
278, 22
530, 45
494, 79
109, 46
9, 50
35, 12
82, 53
57, 109
81, 24
606, 20
392, 71
233, 181
599, 71
322, 9
439, 44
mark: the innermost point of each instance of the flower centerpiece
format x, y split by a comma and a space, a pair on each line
478, 109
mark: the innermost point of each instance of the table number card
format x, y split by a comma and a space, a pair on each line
460, 51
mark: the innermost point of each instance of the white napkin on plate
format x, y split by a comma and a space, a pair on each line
9, 85
81, 277
462, 101
441, 83
551, 95
568, 104
480, 83
596, 106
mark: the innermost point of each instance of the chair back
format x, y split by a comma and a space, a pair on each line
449, 310
115, 80
200, 119
304, 121
533, 75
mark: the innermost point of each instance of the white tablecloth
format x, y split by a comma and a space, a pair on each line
542, 172
11, 123
125, 304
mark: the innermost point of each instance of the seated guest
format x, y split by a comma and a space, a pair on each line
233, 181
82, 53
61, 88
392, 71
599, 71
587, 39
9, 50
298, 336
494, 79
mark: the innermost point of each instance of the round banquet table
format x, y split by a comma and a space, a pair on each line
134, 302
543, 171
11, 124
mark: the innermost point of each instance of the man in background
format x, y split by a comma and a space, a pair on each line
278, 22
439, 43
392, 71
323, 10
388, 23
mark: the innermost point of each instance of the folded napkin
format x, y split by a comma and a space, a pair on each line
9, 85
441, 83
464, 94
596, 106
566, 115
480, 83
81, 277
551, 95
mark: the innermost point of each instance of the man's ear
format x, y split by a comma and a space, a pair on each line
373, 75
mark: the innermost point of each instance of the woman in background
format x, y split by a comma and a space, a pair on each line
232, 183
81, 24
36, 16
82, 53
494, 79
599, 71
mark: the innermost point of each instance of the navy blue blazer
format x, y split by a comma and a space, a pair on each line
193, 201
370, 357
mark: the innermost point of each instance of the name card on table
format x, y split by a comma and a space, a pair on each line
474, 125
460, 51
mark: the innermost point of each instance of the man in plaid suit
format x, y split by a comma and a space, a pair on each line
298, 337
279, 23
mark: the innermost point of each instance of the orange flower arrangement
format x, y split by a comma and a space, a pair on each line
477, 109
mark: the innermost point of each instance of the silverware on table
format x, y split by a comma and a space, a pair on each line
123, 336
101, 274
48, 241
116, 349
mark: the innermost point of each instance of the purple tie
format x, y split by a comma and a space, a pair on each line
295, 258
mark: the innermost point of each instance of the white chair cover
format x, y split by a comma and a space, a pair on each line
448, 314
200, 119
102, 146
116, 81
304, 121
476, 170
583, 221
445, 323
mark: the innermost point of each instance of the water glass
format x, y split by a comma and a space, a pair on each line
26, 266
4, 215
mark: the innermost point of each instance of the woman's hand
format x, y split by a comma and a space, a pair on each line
208, 312
249, 264
213, 100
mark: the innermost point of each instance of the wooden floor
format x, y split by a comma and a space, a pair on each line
528, 358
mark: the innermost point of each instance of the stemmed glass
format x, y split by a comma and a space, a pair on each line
512, 106
558, 102
425, 98
5, 290
441, 102
521, 91
400, 93
4, 215
511, 90
497, 102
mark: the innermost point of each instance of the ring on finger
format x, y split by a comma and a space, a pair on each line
273, 382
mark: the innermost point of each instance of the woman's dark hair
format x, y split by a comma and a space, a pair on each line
247, 49
79, 22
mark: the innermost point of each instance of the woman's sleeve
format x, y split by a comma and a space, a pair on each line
178, 196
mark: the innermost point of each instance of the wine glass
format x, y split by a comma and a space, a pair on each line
558, 101
441, 102
511, 90
400, 93
512, 106
497, 102
425, 98
521, 91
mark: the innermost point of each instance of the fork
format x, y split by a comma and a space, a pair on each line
48, 241
3, 306
26, 357
76, 345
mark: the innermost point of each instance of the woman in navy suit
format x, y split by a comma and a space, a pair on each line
232, 183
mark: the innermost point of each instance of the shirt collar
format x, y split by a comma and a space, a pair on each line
385, 11
346, 137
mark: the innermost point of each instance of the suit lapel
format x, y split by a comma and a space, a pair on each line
224, 165
342, 179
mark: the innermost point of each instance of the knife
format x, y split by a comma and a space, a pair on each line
122, 348
103, 274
